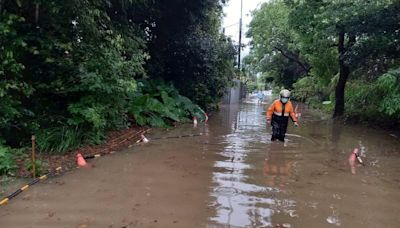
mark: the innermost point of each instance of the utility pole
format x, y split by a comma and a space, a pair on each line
240, 33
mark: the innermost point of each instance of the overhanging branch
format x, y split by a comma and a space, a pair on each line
295, 58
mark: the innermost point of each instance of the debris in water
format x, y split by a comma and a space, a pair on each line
337, 196
195, 121
142, 139
312, 205
333, 220
292, 213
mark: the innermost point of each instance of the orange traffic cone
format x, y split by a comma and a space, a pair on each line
80, 161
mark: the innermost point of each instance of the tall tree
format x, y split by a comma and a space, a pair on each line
273, 40
187, 49
347, 25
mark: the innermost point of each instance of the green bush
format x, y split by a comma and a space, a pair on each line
251, 86
304, 89
61, 139
388, 85
160, 105
379, 99
7, 160
310, 88
39, 167
70, 74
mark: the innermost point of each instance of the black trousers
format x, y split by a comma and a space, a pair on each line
279, 127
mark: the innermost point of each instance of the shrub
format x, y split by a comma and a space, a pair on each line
60, 139
160, 105
7, 160
39, 167
379, 99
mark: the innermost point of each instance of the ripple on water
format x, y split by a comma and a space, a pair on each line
226, 191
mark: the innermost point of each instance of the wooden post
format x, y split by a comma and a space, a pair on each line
33, 157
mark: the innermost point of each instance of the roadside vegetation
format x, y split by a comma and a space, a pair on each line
339, 56
71, 71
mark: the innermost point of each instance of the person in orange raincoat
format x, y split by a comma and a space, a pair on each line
278, 114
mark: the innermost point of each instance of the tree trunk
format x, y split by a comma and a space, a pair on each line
36, 13
344, 72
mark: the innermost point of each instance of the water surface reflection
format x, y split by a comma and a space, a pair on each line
307, 180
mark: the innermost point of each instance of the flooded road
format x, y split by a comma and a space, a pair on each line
231, 176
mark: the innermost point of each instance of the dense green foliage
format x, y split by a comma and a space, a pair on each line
66, 72
275, 45
7, 161
160, 105
376, 99
187, 49
69, 70
332, 43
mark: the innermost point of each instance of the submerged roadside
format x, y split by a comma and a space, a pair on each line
116, 141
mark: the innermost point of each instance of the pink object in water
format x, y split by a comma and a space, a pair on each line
352, 160
353, 155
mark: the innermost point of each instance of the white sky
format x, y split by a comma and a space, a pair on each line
232, 17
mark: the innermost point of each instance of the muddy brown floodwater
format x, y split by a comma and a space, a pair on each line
231, 176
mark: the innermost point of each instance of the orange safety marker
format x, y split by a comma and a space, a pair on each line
80, 161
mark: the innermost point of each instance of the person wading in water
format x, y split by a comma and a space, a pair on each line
278, 115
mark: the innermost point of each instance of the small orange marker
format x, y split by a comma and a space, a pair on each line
80, 161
